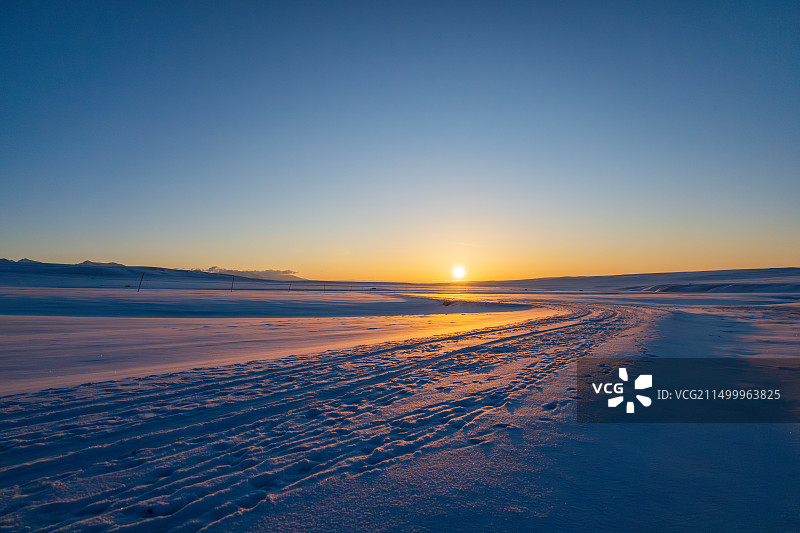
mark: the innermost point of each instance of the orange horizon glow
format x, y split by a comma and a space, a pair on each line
482, 267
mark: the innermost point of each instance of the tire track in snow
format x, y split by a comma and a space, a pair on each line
181, 451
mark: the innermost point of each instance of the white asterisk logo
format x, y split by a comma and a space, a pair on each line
645, 381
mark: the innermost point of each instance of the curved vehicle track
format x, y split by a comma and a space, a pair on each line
182, 451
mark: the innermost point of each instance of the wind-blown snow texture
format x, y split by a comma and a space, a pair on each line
470, 430
190, 449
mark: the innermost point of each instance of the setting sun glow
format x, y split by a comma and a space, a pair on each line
459, 272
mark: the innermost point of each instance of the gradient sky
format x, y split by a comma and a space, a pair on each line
394, 140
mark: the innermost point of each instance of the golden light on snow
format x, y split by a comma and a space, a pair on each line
459, 272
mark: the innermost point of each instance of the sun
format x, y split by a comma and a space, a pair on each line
459, 272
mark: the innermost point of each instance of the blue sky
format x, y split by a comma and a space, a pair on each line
393, 140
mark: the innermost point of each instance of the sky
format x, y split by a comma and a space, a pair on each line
394, 140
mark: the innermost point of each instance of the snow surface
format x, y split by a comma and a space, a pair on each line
373, 411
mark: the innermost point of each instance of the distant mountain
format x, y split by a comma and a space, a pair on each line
269, 275
26, 272
94, 263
